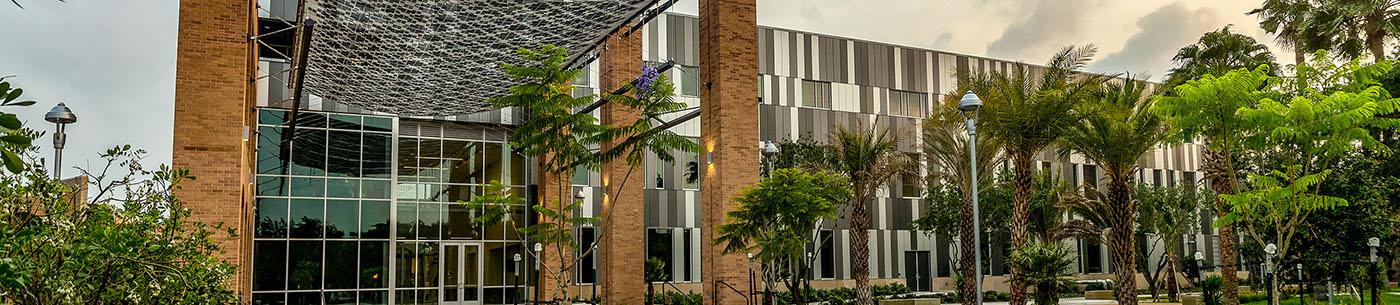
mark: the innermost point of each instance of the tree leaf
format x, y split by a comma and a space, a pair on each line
17, 139
12, 161
14, 94
10, 121
22, 103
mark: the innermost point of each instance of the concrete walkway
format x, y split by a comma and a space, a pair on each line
1067, 301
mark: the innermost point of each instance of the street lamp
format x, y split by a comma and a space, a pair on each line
1200, 264
749, 299
62, 116
769, 149
970, 105
1374, 242
1269, 251
516, 273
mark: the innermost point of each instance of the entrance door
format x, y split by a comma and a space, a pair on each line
461, 274
918, 274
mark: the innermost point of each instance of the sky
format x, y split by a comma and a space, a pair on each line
113, 61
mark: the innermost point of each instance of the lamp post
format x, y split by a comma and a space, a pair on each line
749, 300
516, 272
1269, 276
61, 116
579, 196
1200, 259
539, 248
1374, 242
770, 150
970, 105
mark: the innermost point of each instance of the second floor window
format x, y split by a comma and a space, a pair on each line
906, 103
689, 78
816, 94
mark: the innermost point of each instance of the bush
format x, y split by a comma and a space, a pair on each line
677, 298
886, 290
1210, 290
1253, 297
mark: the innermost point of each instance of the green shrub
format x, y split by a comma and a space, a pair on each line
1253, 297
1210, 290
677, 298
888, 290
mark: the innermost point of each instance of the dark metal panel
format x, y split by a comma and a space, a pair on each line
765, 51
862, 64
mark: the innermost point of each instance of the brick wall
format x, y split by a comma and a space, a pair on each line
729, 130
623, 243
212, 106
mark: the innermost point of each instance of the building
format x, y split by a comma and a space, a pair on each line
342, 204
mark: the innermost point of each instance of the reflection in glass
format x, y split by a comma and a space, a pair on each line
406, 264
459, 223
374, 298
272, 218
374, 219
306, 218
429, 220
343, 158
304, 265
343, 188
493, 165
304, 298
269, 265
374, 259
374, 189
342, 218
309, 152
408, 220
428, 264
272, 186
376, 155
269, 155
276, 298
339, 297
308, 187
340, 265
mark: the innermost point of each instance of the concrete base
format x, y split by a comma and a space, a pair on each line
1099, 294
912, 302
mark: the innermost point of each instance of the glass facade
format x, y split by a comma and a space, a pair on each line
351, 212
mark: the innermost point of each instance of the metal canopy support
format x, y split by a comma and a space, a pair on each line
299, 70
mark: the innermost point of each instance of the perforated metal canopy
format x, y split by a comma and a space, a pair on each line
441, 57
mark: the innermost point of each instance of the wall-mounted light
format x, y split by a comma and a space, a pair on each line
710, 157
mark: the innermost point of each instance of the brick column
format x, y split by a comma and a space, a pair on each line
213, 105
728, 130
623, 244
551, 189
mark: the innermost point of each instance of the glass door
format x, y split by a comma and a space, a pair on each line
461, 274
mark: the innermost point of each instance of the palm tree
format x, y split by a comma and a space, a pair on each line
1118, 130
1045, 266
1177, 213
1218, 52
1290, 22
1028, 111
870, 159
946, 145
1357, 25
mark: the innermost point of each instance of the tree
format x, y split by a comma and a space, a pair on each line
1175, 213
1299, 138
1290, 22
1026, 112
946, 144
1118, 130
775, 219
563, 140
1355, 25
1218, 52
1045, 266
869, 159
130, 241
13, 137
1205, 109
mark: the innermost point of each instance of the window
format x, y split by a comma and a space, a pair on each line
689, 78
1157, 177
906, 103
816, 94
588, 269
659, 246
1091, 175
826, 259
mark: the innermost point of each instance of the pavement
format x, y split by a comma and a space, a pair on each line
1066, 301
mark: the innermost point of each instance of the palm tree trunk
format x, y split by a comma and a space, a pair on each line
1172, 287
1218, 171
1020, 211
1120, 239
966, 247
860, 250
1375, 37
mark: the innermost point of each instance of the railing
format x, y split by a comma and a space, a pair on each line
714, 294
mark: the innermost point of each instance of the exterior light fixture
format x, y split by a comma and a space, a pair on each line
970, 105
62, 116
580, 195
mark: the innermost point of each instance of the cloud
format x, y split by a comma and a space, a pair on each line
1045, 27
1160, 34
943, 41
112, 62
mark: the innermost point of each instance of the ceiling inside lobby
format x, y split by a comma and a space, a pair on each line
442, 57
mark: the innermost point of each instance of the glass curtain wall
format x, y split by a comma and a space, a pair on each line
349, 212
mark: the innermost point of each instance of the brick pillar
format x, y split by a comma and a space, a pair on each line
623, 244
213, 105
728, 130
553, 190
